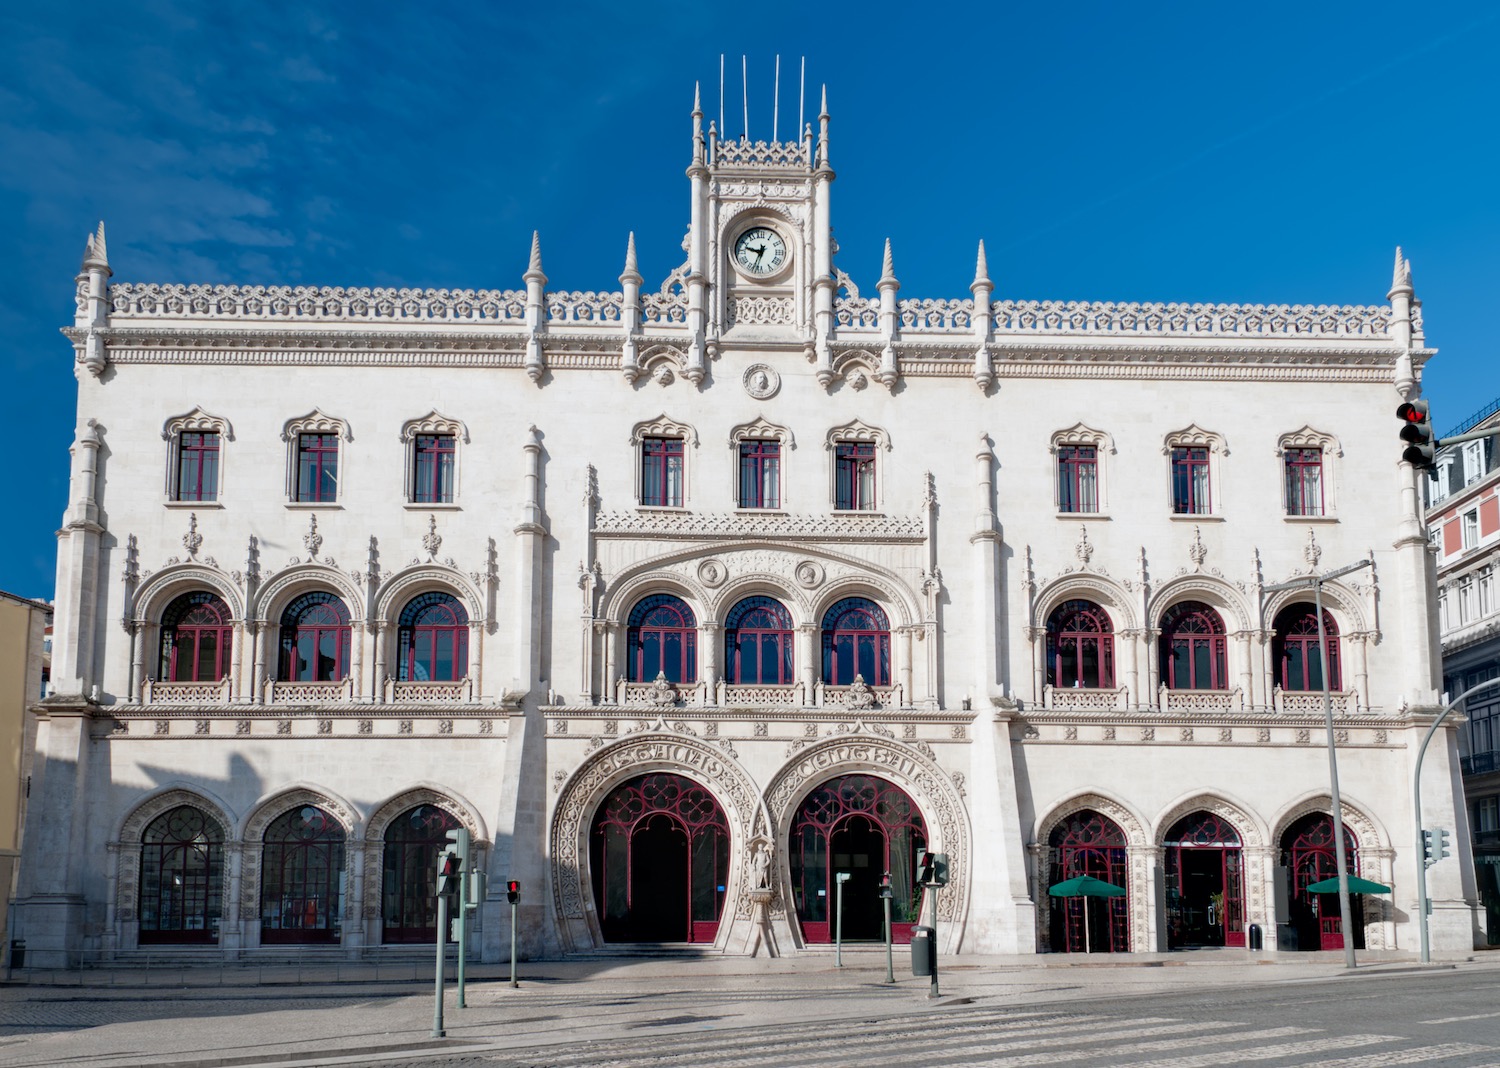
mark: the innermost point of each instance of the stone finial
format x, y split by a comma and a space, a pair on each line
888, 269
1400, 276
823, 107
631, 272
95, 254
981, 270
534, 268
697, 99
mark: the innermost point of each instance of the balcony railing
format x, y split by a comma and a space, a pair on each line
1310, 703
397, 691
186, 693
1201, 700
1079, 699
307, 693
1480, 763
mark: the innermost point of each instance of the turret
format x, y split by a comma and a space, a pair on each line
697, 277
1402, 301
822, 273
92, 313
536, 310
889, 318
982, 287
630, 282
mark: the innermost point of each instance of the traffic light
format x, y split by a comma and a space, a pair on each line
513, 891
1427, 857
932, 869
1416, 431
459, 836
449, 872
1443, 843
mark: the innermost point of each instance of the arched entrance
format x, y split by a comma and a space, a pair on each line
182, 872
1307, 853
413, 841
659, 855
864, 826
1205, 883
1088, 843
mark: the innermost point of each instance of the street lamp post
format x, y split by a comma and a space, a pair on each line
1416, 804
1340, 861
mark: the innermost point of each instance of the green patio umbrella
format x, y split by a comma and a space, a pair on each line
1085, 886
1356, 886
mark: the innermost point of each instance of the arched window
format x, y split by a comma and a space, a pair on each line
434, 639
1080, 646
1205, 882
315, 639
758, 642
301, 877
662, 638
856, 641
1299, 665
1308, 855
196, 638
1192, 648
412, 843
182, 877
1089, 843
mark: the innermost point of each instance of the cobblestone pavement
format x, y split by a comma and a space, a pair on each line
733, 1012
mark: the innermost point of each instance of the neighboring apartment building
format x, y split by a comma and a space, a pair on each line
24, 662
686, 599
1463, 514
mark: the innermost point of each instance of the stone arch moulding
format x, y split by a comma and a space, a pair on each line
1252, 831
577, 922
1086, 586
761, 429
1138, 862
777, 215
932, 789
127, 840
1082, 434
162, 588
253, 832
316, 422
434, 422
1216, 592
858, 430
197, 420
401, 587
1338, 599
663, 426
1195, 435
1309, 438
282, 587
373, 843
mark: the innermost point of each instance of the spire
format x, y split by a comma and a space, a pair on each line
697, 100
823, 131
95, 254
887, 268
981, 269
534, 268
632, 272
1401, 276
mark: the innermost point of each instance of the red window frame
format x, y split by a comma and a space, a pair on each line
662, 636
1192, 634
760, 474
317, 467
854, 476
1077, 479
433, 628
1206, 833
197, 638
758, 647
434, 462
1192, 489
316, 624
1076, 629
301, 878
1304, 481
663, 467
1307, 852
197, 465
1295, 648
182, 878
856, 641
1089, 843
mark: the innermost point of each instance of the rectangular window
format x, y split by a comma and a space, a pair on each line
317, 467
854, 476
1487, 815
432, 468
760, 474
1190, 481
661, 472
1077, 478
1473, 461
1466, 612
198, 465
1484, 724
1304, 481
1471, 529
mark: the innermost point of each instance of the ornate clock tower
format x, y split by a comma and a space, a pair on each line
760, 247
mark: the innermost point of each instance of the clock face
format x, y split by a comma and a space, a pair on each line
760, 251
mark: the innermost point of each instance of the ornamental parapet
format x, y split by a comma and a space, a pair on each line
1202, 700
1344, 703
307, 693
186, 693
1110, 319
396, 691
1077, 699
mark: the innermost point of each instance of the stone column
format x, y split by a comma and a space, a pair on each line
904, 666
708, 660
808, 658
231, 929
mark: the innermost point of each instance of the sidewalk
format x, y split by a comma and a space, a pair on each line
195, 1022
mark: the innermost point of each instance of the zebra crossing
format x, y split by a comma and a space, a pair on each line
1009, 1038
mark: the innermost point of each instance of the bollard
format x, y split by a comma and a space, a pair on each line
1254, 937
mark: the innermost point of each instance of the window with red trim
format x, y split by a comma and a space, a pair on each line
1077, 478
1304, 481
760, 474
197, 466
1190, 481
856, 641
434, 462
758, 642
1299, 663
662, 638
315, 639
854, 476
661, 472
433, 639
1192, 648
196, 639
1080, 646
317, 467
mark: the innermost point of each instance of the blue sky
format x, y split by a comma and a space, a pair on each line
1268, 153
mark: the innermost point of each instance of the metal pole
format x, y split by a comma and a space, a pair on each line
839, 879
463, 930
442, 945
1416, 797
885, 899
513, 982
1341, 862
932, 991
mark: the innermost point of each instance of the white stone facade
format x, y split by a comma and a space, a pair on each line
548, 539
